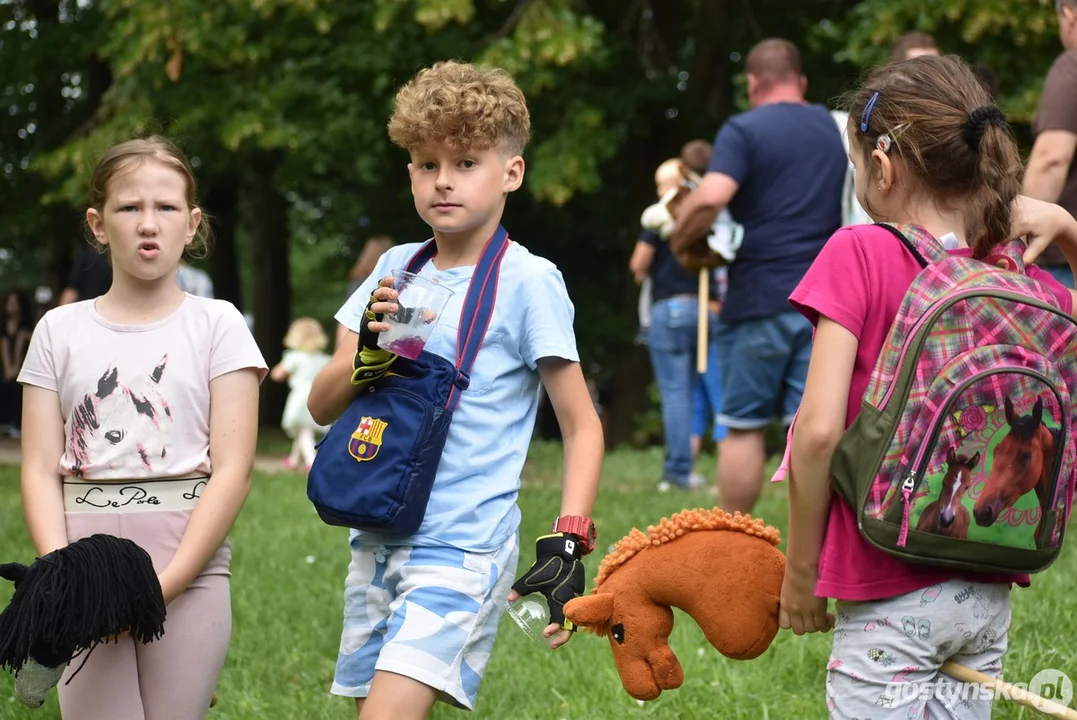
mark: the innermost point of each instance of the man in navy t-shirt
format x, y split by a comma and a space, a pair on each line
779, 169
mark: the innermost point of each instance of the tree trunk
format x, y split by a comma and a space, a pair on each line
271, 285
221, 201
627, 389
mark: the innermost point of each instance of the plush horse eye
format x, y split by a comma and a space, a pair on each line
618, 633
114, 436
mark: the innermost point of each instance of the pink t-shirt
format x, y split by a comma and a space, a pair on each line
858, 281
135, 398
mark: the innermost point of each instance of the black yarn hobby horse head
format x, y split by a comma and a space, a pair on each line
13, 572
72, 600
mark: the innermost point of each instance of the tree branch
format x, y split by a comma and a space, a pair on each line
510, 22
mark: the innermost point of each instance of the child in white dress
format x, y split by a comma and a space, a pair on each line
300, 363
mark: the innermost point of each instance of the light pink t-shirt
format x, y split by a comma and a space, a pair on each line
858, 281
135, 398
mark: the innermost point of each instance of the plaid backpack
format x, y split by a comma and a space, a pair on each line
962, 454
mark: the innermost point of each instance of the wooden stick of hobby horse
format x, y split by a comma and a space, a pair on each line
1019, 696
702, 344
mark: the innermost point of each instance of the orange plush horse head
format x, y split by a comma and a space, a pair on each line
725, 571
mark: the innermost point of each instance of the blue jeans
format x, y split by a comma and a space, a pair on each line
707, 397
672, 346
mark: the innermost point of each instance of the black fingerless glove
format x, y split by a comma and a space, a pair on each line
371, 361
557, 574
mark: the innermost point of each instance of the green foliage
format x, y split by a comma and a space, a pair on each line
613, 89
1016, 39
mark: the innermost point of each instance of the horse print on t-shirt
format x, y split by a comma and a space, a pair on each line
124, 423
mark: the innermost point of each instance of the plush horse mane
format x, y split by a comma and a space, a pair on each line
677, 525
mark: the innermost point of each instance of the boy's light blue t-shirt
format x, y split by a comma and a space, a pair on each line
473, 502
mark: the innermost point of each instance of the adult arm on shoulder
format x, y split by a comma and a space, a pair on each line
1042, 223
233, 431
41, 484
700, 209
581, 431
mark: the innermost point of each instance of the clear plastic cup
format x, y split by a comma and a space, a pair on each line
531, 615
419, 306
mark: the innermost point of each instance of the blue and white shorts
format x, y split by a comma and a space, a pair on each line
422, 612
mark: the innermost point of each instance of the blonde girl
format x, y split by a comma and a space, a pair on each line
301, 362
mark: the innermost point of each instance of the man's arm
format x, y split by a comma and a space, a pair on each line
1056, 132
640, 263
1049, 164
700, 209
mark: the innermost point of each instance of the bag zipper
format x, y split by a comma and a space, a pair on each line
915, 475
979, 292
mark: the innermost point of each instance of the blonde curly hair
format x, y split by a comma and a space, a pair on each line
306, 335
463, 105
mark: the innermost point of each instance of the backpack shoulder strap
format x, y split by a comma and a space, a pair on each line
925, 248
478, 310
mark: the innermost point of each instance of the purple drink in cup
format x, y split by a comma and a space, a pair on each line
419, 306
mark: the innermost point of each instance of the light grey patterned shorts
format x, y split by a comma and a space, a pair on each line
886, 655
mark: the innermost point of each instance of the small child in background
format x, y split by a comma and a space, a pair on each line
688, 398
707, 390
301, 362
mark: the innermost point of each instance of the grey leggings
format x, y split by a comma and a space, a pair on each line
172, 678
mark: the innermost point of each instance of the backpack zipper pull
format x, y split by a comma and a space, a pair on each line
906, 495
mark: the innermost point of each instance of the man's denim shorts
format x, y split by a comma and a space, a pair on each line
764, 365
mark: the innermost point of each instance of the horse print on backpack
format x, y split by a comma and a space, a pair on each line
999, 500
947, 515
962, 454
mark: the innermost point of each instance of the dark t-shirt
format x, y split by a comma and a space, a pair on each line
790, 164
1058, 111
91, 274
668, 277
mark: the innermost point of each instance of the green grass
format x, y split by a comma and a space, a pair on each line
288, 571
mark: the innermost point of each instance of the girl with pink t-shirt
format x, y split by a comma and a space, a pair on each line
930, 150
140, 420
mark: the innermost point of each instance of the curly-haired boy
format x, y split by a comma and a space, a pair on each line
420, 616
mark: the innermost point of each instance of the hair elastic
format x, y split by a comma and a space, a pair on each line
979, 120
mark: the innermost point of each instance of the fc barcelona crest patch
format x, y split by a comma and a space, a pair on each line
366, 440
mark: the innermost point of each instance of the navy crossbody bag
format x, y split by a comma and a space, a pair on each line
376, 466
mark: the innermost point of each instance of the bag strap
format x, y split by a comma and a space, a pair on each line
478, 308
926, 249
